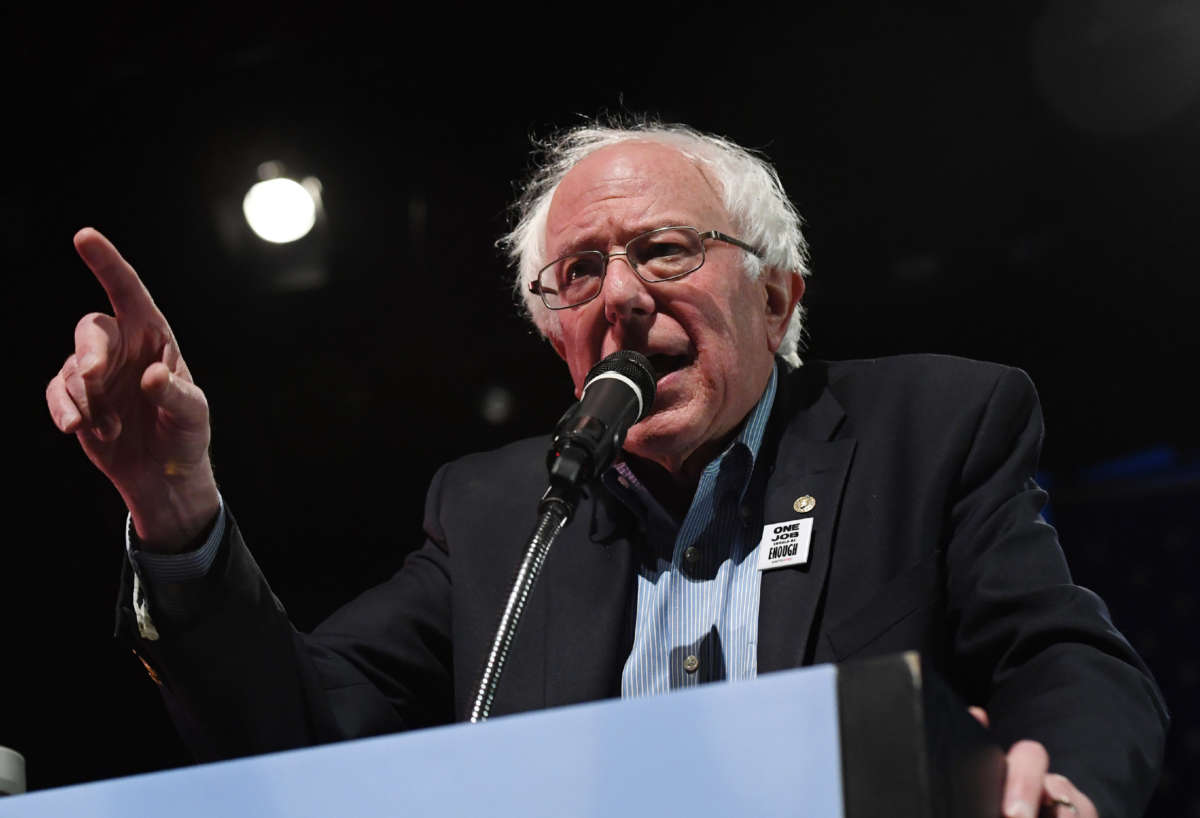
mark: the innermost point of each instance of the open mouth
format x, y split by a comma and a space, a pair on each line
666, 364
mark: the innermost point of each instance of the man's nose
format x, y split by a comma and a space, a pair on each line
625, 295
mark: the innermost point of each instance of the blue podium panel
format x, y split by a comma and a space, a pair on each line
761, 748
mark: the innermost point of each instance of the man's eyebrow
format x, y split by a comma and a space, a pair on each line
568, 248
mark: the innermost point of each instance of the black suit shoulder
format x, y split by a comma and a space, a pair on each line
922, 379
506, 482
935, 403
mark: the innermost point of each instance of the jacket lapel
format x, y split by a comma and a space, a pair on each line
808, 463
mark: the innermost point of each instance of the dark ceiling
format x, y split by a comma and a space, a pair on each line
1014, 182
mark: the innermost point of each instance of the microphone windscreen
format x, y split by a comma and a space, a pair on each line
636, 368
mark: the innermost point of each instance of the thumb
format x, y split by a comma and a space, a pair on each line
182, 400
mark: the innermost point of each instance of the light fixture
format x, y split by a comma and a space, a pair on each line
281, 210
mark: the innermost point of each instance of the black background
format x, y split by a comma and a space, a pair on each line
1017, 184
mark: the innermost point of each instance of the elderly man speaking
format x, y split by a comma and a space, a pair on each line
911, 478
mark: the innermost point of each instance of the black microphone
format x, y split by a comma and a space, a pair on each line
617, 393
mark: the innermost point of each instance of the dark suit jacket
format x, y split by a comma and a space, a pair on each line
927, 535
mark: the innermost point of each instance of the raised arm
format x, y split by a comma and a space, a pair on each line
128, 397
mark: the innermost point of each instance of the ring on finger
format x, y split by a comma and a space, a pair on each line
1057, 801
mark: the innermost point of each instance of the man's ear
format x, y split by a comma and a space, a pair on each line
783, 290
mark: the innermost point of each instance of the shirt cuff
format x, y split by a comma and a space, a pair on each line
159, 569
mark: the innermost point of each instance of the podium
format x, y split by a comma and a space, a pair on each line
880, 737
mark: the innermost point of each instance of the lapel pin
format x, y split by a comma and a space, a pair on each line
804, 504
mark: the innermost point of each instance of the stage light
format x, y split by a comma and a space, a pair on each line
280, 210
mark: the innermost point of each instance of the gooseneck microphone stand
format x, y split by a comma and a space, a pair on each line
618, 392
554, 512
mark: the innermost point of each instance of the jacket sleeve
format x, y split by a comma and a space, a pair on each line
1042, 651
238, 679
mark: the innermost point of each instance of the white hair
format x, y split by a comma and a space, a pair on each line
750, 190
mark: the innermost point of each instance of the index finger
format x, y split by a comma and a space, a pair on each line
126, 292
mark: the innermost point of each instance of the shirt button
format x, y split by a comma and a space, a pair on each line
691, 664
691, 554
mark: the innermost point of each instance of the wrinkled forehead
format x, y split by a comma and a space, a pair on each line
644, 184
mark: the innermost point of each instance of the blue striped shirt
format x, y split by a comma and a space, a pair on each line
698, 582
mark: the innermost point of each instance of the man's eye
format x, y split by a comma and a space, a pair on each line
577, 269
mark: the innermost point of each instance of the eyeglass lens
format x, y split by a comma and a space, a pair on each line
656, 256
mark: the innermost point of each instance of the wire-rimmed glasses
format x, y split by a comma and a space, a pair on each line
664, 254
